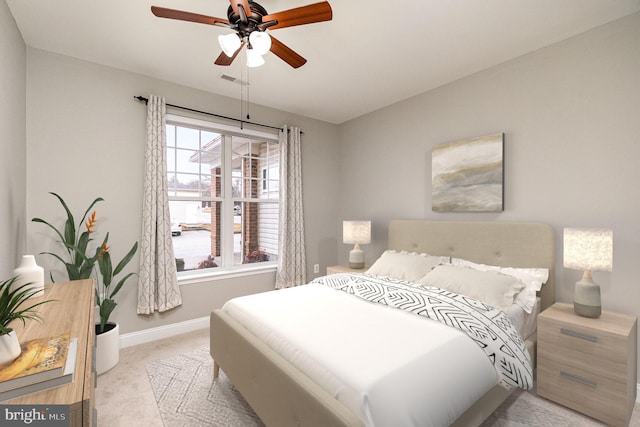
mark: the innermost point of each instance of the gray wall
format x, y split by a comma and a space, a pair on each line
569, 113
13, 163
571, 117
86, 139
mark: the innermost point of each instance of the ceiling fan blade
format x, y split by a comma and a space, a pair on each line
224, 60
162, 12
286, 54
317, 12
243, 3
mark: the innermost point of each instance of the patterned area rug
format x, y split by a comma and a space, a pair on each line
187, 396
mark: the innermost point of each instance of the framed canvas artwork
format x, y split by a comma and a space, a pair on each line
467, 175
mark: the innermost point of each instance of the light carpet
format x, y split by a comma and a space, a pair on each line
187, 396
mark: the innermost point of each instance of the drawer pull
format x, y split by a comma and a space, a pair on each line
578, 335
579, 379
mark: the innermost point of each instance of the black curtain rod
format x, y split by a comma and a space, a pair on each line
242, 122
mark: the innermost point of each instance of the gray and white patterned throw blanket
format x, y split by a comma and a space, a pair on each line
489, 327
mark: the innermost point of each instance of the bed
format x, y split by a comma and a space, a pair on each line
282, 394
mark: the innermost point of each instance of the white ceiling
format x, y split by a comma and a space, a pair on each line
372, 54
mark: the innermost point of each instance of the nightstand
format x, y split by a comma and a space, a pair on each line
588, 364
333, 269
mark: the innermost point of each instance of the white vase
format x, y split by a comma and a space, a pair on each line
107, 347
9, 347
30, 272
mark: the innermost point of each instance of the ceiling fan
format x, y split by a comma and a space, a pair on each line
250, 21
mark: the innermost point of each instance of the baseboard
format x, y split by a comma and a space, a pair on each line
160, 332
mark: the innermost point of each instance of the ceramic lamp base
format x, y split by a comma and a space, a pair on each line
356, 257
586, 298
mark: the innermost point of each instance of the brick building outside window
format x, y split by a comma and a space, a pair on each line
223, 195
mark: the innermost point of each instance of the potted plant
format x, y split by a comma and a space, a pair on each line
108, 333
79, 265
11, 308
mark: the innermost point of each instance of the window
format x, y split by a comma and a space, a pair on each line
223, 195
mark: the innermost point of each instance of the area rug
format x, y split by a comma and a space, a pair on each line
187, 396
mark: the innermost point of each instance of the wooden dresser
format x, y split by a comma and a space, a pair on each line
72, 312
588, 364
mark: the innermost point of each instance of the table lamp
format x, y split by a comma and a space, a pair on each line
356, 233
588, 249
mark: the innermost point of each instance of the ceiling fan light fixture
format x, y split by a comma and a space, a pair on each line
260, 41
246, 17
229, 43
254, 59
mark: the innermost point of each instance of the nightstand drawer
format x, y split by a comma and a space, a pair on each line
598, 351
581, 389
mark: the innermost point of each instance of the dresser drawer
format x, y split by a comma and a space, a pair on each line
598, 396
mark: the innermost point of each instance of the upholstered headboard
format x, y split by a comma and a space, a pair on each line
505, 244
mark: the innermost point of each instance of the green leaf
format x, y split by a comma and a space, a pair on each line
83, 241
106, 308
86, 269
54, 255
126, 259
69, 226
72, 271
119, 285
69, 233
13, 301
106, 270
81, 248
51, 226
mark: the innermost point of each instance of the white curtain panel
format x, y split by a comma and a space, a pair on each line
158, 288
292, 266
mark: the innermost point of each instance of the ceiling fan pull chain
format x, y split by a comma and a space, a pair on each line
248, 94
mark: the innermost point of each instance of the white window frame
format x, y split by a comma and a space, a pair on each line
226, 243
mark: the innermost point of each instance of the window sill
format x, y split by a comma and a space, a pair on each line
191, 278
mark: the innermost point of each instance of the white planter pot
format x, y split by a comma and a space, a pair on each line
107, 348
9, 347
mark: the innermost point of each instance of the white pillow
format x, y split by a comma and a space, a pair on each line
491, 287
403, 265
533, 279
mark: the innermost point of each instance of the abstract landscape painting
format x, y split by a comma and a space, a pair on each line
467, 175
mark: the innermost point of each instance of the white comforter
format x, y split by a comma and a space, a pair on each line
488, 326
390, 367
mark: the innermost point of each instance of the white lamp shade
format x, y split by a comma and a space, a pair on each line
254, 59
229, 43
356, 232
260, 42
589, 249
